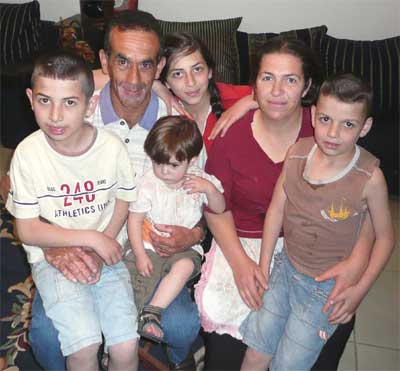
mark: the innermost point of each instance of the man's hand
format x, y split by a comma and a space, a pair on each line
251, 283
180, 239
75, 263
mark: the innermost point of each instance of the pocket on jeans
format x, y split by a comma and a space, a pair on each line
53, 286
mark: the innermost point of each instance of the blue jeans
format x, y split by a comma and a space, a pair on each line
180, 321
290, 325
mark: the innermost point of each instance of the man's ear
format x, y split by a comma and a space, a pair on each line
313, 112
306, 88
104, 61
367, 127
160, 66
29, 94
92, 104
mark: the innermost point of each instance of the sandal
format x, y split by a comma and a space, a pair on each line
150, 315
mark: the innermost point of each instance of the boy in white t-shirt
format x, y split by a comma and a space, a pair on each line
172, 192
70, 186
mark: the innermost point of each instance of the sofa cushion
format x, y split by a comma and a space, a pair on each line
249, 43
377, 61
219, 36
19, 31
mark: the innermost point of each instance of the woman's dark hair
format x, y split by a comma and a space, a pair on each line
182, 44
176, 136
310, 62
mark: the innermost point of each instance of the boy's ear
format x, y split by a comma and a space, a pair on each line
367, 127
160, 66
29, 94
313, 111
92, 104
103, 61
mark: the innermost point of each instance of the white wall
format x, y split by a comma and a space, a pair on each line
353, 19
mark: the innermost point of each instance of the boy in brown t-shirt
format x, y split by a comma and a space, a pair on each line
327, 186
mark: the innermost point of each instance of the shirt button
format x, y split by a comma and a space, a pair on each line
122, 123
126, 140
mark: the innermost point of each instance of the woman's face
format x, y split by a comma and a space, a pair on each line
280, 85
188, 77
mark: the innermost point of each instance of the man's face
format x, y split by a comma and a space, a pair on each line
132, 67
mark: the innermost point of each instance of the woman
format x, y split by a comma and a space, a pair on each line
248, 161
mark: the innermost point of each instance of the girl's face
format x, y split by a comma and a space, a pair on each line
280, 85
188, 78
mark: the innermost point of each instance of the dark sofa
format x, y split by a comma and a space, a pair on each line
378, 61
23, 36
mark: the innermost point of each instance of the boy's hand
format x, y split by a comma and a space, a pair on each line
108, 248
345, 304
197, 184
144, 265
76, 264
345, 274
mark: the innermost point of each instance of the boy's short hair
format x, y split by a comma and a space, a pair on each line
64, 65
132, 20
176, 136
348, 88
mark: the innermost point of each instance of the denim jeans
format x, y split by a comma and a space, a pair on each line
180, 321
290, 325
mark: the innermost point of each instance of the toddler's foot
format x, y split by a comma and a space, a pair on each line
149, 325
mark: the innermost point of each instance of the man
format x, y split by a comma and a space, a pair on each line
128, 107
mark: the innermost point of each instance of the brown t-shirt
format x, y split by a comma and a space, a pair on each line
322, 221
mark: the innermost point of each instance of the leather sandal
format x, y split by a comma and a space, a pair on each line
149, 316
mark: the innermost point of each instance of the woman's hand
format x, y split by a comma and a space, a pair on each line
250, 282
232, 114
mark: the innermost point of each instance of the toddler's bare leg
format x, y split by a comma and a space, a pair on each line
84, 359
255, 361
172, 284
124, 356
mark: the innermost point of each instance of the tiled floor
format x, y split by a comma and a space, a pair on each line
375, 343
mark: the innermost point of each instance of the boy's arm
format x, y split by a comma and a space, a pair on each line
34, 232
216, 200
377, 198
273, 224
118, 218
349, 271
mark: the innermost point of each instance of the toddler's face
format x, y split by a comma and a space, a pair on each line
173, 173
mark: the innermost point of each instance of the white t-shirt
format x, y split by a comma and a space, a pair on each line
165, 205
76, 192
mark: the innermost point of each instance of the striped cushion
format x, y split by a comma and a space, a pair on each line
219, 36
376, 61
19, 31
248, 45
